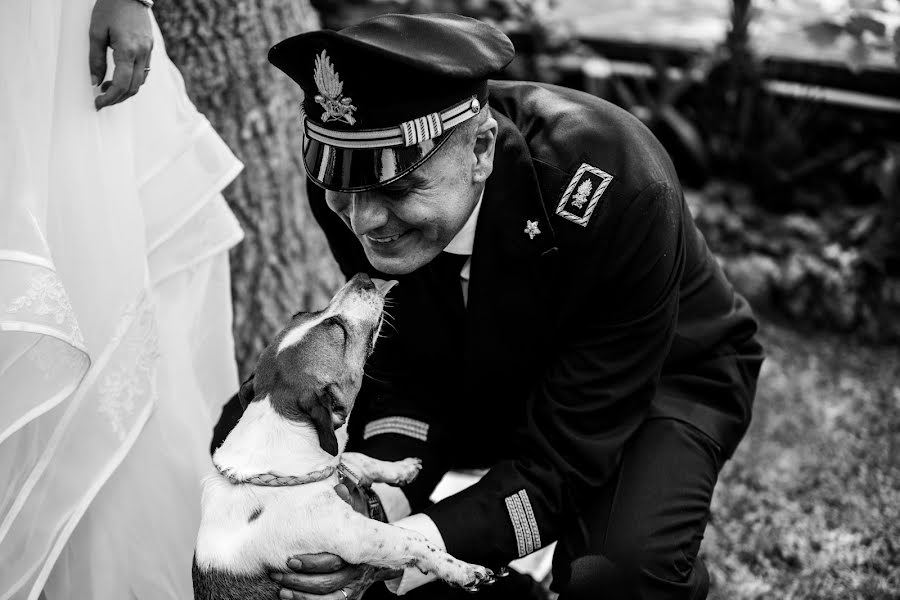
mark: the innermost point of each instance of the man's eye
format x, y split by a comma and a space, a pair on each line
398, 192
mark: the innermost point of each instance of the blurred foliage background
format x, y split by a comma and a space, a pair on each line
783, 119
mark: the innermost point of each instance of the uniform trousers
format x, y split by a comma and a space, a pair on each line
637, 537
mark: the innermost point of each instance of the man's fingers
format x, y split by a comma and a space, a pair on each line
121, 80
317, 583
286, 594
343, 493
316, 563
97, 56
355, 497
386, 574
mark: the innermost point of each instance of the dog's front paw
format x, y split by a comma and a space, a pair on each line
466, 575
478, 577
408, 469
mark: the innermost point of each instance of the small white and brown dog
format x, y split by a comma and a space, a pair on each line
274, 496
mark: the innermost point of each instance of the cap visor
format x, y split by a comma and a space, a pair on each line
360, 169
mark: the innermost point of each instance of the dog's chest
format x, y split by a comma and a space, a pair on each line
246, 529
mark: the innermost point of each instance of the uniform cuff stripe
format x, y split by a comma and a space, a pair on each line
529, 513
528, 538
517, 525
399, 425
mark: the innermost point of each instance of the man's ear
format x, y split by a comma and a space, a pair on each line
483, 148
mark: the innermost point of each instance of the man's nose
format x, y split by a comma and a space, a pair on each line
367, 213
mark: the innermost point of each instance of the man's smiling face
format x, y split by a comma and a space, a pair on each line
404, 225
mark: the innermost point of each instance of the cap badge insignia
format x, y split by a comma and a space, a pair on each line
582, 194
531, 228
331, 89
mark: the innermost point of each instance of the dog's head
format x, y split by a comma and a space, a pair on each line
313, 369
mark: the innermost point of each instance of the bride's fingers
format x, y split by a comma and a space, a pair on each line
97, 54
121, 80
141, 72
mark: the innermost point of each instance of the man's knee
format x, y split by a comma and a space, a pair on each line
595, 576
637, 572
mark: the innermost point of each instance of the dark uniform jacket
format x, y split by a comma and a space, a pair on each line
570, 338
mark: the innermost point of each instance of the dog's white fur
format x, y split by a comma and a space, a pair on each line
246, 530
296, 334
306, 518
263, 441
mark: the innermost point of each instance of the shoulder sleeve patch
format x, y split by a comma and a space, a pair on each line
582, 194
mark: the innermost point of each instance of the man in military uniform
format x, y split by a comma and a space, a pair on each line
559, 319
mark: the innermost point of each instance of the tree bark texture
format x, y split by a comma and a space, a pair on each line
283, 265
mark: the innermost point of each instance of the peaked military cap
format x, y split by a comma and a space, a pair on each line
382, 96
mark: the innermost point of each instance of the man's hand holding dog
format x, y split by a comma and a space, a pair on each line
327, 576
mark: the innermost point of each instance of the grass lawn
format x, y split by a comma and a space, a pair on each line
809, 506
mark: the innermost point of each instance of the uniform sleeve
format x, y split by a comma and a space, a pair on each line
387, 423
592, 396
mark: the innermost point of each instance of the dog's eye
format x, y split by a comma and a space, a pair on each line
339, 324
336, 405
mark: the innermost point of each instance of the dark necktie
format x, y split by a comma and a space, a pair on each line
447, 285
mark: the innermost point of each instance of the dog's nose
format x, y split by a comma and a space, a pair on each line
363, 281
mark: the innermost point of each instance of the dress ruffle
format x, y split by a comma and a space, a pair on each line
115, 316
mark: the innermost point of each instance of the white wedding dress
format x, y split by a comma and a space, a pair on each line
115, 317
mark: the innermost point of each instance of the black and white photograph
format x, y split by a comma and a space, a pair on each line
449, 299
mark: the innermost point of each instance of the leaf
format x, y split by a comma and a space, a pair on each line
858, 56
860, 23
897, 46
823, 33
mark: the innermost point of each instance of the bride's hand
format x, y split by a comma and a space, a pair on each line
124, 26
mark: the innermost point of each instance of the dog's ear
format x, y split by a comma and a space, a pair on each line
307, 405
319, 410
246, 394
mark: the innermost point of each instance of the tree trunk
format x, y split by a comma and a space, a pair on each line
283, 265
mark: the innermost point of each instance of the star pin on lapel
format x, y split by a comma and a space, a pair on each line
531, 228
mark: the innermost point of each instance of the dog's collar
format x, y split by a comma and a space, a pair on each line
273, 480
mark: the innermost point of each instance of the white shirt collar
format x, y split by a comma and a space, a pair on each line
464, 240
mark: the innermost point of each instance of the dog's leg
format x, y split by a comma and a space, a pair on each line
371, 469
359, 540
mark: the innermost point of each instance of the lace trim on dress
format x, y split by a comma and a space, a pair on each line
133, 378
46, 295
119, 391
43, 357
